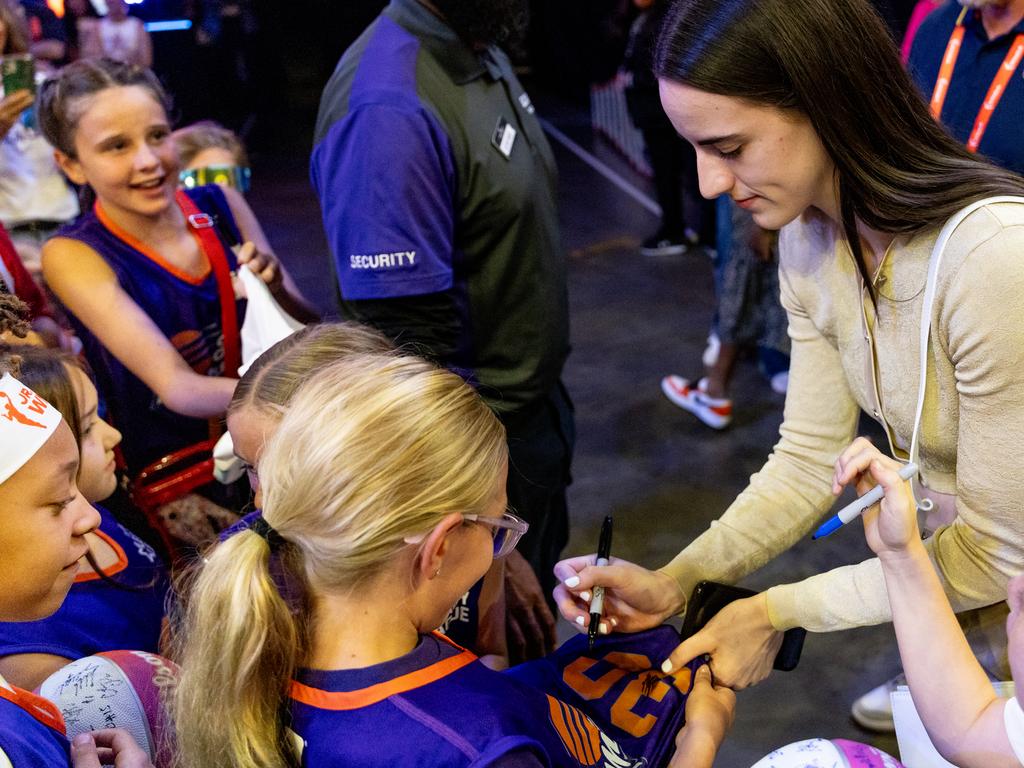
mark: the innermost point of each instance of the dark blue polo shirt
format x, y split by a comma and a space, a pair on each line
435, 179
976, 67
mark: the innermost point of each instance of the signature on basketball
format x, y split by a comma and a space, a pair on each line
84, 687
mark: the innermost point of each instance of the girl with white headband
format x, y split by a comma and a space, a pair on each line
43, 523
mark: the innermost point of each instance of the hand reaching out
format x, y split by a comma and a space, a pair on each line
264, 265
741, 641
11, 107
530, 627
710, 709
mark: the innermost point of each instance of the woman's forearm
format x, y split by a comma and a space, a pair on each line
953, 696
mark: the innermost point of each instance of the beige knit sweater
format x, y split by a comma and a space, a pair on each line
846, 358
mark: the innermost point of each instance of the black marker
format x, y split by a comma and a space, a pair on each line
604, 552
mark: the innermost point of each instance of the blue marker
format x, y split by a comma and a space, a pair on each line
856, 508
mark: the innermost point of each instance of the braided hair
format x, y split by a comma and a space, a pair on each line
13, 314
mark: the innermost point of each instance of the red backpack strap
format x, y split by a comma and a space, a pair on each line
203, 228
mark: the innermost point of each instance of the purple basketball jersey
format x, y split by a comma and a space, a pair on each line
620, 686
32, 731
186, 309
438, 706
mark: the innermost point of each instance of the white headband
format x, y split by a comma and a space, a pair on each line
26, 423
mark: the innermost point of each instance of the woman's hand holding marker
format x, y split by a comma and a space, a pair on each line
634, 597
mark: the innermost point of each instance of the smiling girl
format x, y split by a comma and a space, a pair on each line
44, 521
145, 274
117, 600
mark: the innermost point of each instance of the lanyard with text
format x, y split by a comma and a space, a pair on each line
995, 91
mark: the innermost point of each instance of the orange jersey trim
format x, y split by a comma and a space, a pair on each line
365, 697
40, 709
120, 565
149, 253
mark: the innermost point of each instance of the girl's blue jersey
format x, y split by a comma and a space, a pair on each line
438, 706
31, 731
96, 615
186, 309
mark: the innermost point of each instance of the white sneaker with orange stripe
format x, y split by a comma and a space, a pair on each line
713, 411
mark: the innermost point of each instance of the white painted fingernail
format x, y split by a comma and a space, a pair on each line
614, 621
572, 581
602, 628
585, 596
580, 620
666, 666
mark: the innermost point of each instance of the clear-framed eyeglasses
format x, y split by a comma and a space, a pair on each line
507, 530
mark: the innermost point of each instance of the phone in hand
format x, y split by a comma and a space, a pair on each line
709, 597
18, 73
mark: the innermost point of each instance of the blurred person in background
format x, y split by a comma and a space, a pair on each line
47, 41
980, 100
209, 153
686, 218
117, 36
35, 198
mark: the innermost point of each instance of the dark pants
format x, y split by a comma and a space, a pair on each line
674, 164
540, 443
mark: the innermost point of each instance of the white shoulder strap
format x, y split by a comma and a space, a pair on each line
926, 314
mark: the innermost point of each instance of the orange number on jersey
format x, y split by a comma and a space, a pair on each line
588, 689
654, 685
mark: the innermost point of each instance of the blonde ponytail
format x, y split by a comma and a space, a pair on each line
372, 450
242, 643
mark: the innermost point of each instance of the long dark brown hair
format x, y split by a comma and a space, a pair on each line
897, 170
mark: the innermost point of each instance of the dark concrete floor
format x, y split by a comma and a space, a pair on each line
660, 472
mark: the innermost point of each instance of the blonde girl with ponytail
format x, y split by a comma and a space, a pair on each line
384, 499
264, 394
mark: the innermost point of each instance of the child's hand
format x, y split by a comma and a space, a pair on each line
709, 713
11, 107
107, 747
891, 525
263, 265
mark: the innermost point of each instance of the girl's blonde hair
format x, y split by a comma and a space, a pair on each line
274, 377
208, 134
373, 450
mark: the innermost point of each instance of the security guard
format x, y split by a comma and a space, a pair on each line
438, 193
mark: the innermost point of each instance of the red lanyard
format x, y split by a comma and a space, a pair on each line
202, 228
995, 91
